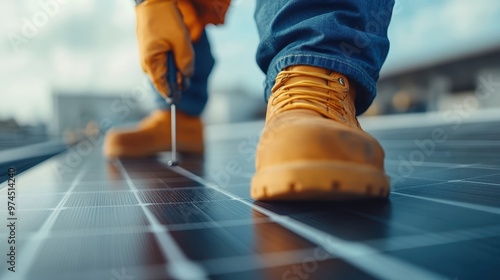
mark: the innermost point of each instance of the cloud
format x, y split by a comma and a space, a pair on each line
234, 45
84, 46
425, 31
91, 46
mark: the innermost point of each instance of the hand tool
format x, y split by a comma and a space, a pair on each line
172, 99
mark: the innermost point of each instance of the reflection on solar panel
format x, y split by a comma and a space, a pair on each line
80, 217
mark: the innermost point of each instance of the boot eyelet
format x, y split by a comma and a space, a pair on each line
341, 81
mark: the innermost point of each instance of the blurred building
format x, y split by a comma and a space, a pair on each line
74, 113
9, 129
234, 105
14, 135
472, 79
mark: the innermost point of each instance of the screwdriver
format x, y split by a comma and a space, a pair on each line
172, 99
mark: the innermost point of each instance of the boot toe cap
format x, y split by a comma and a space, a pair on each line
321, 141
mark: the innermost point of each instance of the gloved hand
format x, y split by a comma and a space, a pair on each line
160, 29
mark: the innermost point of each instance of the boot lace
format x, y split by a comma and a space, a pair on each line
307, 94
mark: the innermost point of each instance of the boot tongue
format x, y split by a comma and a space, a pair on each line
307, 78
336, 104
309, 69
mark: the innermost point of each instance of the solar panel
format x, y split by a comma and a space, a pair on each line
82, 217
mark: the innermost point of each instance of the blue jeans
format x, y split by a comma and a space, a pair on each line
346, 36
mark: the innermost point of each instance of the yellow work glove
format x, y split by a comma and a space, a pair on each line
160, 29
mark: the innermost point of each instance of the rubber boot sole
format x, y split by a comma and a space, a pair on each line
320, 180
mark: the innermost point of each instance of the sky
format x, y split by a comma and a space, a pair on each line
77, 46
422, 31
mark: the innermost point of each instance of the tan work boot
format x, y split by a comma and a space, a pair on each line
312, 146
153, 136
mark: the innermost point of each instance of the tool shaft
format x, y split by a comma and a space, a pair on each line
173, 133
172, 99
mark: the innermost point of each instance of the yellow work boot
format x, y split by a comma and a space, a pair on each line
153, 135
312, 146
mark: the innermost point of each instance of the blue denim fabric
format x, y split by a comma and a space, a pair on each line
346, 36
194, 99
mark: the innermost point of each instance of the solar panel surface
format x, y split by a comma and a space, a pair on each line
81, 217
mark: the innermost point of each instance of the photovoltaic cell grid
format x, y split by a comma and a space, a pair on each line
81, 217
